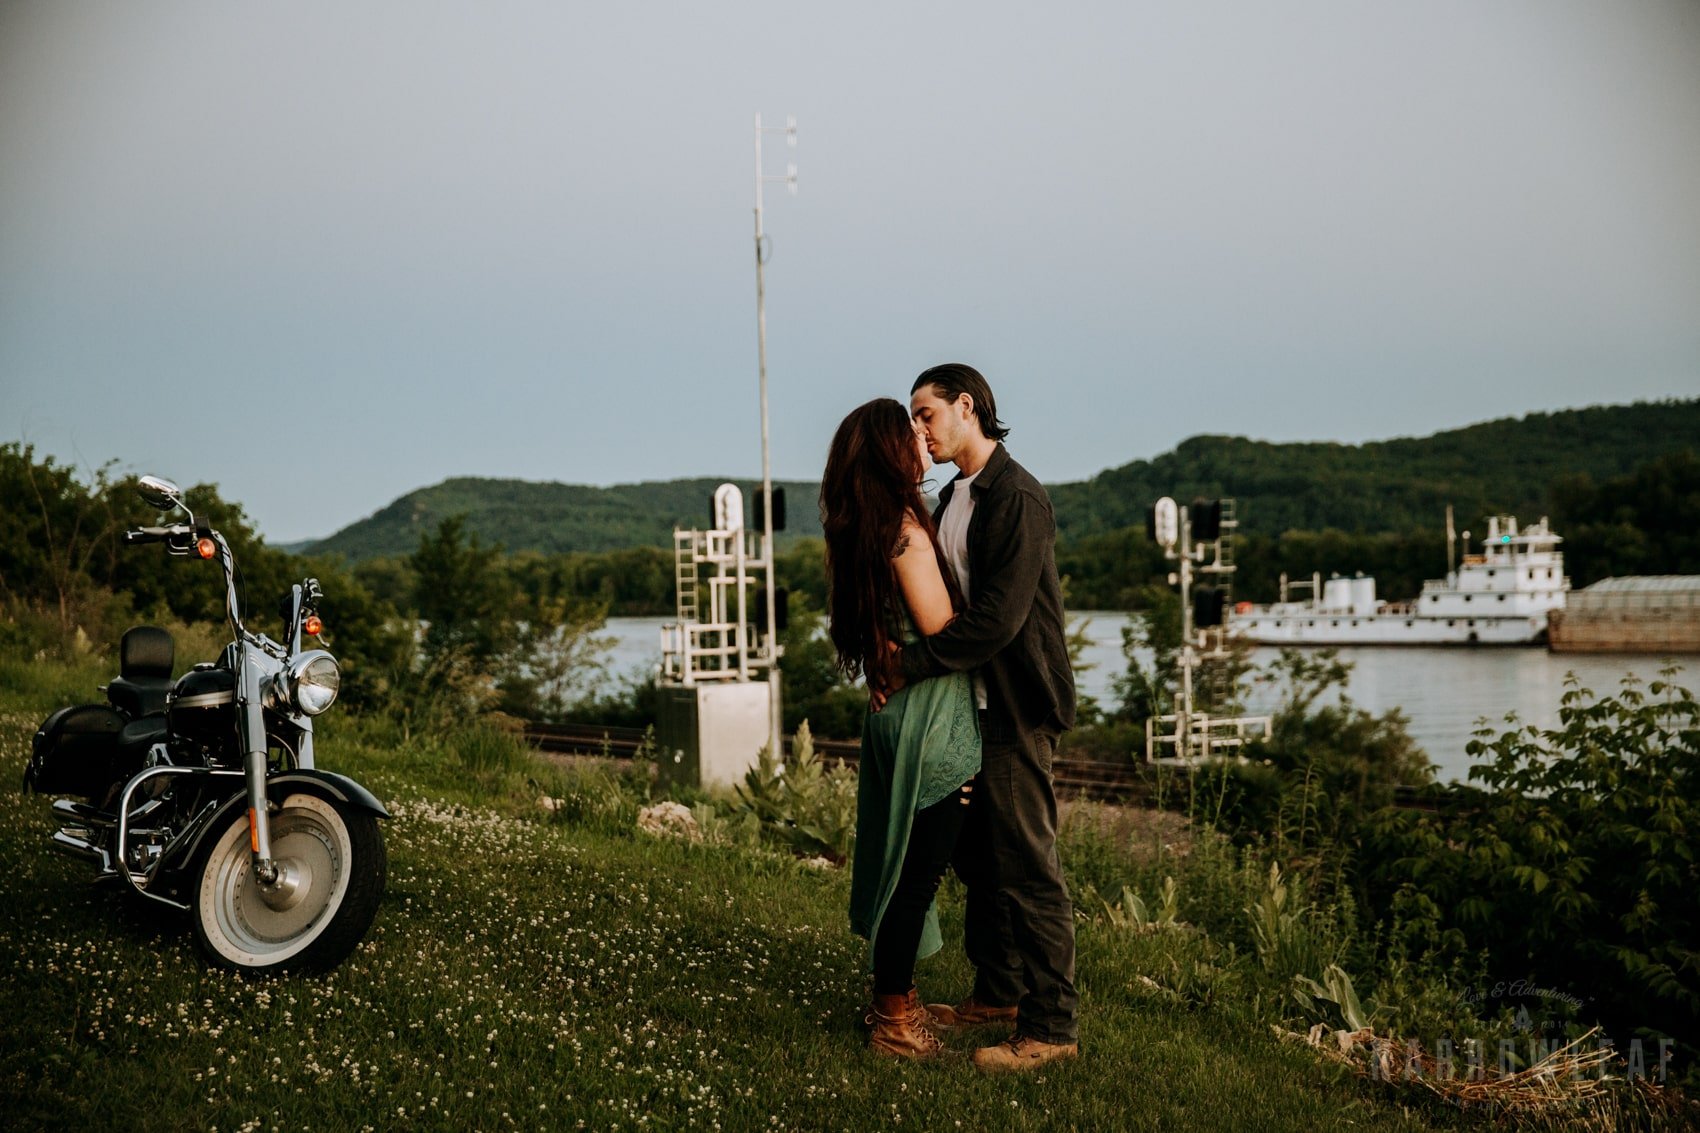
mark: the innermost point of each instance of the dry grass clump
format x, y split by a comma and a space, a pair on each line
1576, 1086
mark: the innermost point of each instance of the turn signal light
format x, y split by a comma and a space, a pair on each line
313, 625
206, 548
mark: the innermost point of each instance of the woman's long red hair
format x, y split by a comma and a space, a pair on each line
872, 480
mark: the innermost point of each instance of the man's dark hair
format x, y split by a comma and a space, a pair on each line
954, 379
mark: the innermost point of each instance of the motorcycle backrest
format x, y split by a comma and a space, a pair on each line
146, 651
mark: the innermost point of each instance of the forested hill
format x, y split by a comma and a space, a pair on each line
1509, 465
524, 515
1504, 466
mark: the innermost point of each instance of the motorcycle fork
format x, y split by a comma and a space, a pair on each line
254, 774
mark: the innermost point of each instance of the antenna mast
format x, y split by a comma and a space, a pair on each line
790, 181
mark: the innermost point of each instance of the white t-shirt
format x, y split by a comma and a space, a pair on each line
953, 540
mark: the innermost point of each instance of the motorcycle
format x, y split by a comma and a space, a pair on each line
202, 794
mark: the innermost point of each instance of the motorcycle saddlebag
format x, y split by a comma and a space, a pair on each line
74, 750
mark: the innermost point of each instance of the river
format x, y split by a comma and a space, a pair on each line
1443, 692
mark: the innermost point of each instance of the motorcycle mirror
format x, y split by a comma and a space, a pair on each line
159, 493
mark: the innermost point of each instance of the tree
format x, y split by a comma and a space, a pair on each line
56, 534
814, 689
490, 642
1647, 522
463, 596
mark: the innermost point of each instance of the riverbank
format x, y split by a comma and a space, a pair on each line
1444, 693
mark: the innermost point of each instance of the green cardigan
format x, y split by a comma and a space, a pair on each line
924, 744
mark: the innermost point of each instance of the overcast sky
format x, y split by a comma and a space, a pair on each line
323, 254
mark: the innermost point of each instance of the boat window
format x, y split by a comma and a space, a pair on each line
1490, 574
1434, 597
1409, 622
1335, 622
1466, 597
1451, 621
1502, 597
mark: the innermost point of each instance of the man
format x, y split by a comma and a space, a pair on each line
997, 529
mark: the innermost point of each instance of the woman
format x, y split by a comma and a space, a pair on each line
887, 582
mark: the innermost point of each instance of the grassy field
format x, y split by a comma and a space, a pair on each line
540, 969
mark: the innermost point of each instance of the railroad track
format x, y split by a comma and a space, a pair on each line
1105, 781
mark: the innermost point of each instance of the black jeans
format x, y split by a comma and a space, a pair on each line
932, 842
1019, 930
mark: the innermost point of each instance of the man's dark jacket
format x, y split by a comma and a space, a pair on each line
1012, 630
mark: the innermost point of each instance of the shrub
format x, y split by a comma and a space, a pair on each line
1574, 863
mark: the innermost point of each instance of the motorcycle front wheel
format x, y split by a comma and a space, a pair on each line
331, 865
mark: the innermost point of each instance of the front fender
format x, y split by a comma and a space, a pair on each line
278, 787
340, 787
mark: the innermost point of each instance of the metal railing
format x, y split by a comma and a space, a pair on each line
1206, 737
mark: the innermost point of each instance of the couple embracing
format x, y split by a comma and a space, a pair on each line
955, 620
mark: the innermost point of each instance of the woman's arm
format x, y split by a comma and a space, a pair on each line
919, 578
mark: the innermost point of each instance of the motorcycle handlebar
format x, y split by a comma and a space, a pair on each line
139, 535
152, 534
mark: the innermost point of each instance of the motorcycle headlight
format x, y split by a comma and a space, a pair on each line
310, 684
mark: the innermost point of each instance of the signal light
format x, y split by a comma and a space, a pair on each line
1163, 523
1208, 605
781, 610
206, 548
1206, 519
778, 508
313, 625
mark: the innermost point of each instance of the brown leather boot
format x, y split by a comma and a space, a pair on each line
970, 1013
900, 1027
1020, 1053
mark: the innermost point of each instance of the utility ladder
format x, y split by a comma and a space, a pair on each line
685, 574
1222, 568
1224, 563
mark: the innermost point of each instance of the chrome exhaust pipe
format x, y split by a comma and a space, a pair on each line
68, 843
65, 810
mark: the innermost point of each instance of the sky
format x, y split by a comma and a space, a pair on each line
322, 254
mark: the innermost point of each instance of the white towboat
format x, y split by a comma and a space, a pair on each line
1499, 597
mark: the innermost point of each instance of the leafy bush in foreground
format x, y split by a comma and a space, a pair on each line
1575, 861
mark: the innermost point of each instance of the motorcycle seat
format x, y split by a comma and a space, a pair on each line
146, 656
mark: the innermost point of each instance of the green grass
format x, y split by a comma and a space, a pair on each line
540, 970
